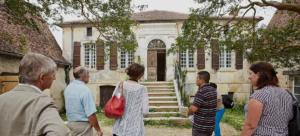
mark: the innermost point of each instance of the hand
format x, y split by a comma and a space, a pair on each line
99, 133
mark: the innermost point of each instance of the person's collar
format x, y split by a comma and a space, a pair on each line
205, 84
32, 86
78, 81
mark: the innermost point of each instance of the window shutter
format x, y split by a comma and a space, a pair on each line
113, 57
76, 54
215, 53
100, 55
239, 60
201, 58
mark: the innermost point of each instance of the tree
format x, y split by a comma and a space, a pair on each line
240, 33
110, 17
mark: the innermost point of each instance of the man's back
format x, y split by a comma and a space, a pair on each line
28, 112
206, 101
79, 101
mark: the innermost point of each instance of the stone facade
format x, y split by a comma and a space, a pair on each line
228, 79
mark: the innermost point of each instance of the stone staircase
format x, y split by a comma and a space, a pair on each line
163, 103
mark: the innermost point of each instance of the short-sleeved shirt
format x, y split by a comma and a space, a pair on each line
79, 101
277, 111
204, 119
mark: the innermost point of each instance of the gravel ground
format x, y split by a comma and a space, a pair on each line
227, 130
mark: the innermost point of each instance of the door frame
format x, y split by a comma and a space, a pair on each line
155, 46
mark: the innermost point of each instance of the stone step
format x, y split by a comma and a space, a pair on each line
162, 94
164, 108
161, 90
163, 114
159, 86
157, 83
169, 98
163, 103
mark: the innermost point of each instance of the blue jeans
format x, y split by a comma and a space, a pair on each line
219, 116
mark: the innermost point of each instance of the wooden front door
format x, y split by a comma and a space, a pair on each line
7, 83
105, 94
152, 65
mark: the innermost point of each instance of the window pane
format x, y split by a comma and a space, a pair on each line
228, 59
297, 81
93, 56
90, 55
297, 85
123, 59
89, 31
130, 58
221, 59
86, 55
191, 59
183, 59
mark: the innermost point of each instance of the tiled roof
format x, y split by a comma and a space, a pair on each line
159, 15
17, 39
153, 16
282, 17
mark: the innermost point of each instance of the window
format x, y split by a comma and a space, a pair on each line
90, 55
187, 59
126, 58
297, 87
89, 31
225, 58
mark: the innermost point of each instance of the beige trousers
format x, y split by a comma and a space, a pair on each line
80, 128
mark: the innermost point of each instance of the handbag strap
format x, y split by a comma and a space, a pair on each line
294, 99
122, 88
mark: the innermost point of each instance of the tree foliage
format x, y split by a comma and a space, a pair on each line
225, 21
110, 17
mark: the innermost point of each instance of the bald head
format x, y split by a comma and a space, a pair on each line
81, 73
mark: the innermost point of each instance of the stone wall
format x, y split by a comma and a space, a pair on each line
9, 64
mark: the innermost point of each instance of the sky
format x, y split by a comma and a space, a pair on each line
182, 6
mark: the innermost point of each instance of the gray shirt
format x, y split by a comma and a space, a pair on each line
136, 105
26, 111
277, 111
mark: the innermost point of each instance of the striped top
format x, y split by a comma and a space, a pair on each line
277, 111
204, 118
136, 105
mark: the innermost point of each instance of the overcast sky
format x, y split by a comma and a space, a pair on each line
169, 5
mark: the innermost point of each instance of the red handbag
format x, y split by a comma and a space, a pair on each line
115, 106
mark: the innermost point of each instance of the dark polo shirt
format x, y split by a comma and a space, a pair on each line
204, 119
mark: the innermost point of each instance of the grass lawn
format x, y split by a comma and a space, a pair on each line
235, 116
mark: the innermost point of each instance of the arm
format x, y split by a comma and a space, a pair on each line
90, 111
192, 109
198, 100
255, 109
49, 122
145, 107
94, 123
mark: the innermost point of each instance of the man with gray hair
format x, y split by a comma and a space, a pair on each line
25, 110
80, 105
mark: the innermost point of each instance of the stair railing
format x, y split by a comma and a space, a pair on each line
179, 83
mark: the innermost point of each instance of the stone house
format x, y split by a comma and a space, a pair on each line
155, 31
16, 39
290, 79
